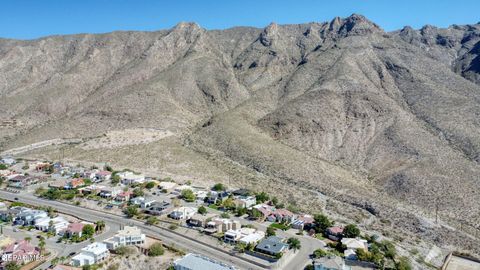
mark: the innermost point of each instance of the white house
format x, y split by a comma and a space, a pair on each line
352, 245
129, 178
91, 254
183, 212
168, 186
57, 224
8, 161
245, 201
243, 235
130, 235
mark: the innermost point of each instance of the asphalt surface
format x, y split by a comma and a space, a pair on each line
114, 221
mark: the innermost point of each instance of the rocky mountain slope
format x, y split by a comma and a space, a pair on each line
385, 122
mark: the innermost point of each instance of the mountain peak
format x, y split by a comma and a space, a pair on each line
353, 25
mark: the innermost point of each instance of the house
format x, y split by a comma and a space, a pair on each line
245, 201
130, 178
215, 196
183, 212
21, 181
21, 252
273, 214
198, 262
243, 235
91, 254
221, 225
123, 196
178, 190
92, 189
102, 176
302, 222
55, 225
272, 245
242, 192
335, 233
128, 236
355, 243
89, 174
74, 183
5, 173
167, 186
74, 229
8, 161
158, 208
352, 245
147, 203
199, 220
330, 262
137, 200
28, 217
109, 192
8, 215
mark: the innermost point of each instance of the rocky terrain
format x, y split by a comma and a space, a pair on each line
383, 124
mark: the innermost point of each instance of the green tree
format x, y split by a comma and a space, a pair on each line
138, 192
262, 197
255, 214
41, 244
3, 166
388, 249
150, 185
131, 211
28, 238
321, 223
115, 179
88, 231
188, 195
241, 211
224, 215
156, 250
274, 201
229, 203
309, 267
202, 210
271, 231
241, 247
351, 231
294, 243
12, 265
319, 253
100, 225
219, 187
152, 220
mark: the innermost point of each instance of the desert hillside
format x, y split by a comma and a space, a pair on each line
383, 123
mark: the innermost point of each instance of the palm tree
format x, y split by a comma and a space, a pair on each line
100, 225
28, 238
294, 243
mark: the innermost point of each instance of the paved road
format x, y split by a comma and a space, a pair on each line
115, 221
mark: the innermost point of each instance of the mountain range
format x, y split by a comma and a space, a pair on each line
339, 116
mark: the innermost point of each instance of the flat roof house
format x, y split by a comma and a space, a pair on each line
198, 262
330, 262
128, 236
129, 178
57, 224
183, 212
273, 245
91, 254
158, 208
199, 220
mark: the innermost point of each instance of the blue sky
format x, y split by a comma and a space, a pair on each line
27, 19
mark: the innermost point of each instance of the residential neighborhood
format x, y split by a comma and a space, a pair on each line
252, 225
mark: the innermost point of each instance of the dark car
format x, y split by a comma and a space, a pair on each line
16, 199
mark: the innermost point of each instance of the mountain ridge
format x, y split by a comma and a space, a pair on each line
377, 120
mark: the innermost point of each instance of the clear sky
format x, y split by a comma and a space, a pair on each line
27, 19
